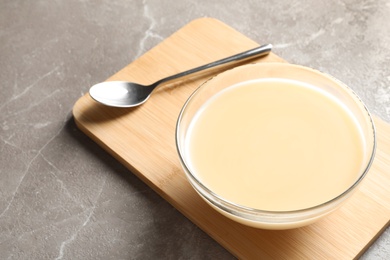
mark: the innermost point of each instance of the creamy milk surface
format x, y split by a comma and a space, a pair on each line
275, 144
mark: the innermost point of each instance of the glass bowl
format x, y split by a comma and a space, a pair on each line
269, 217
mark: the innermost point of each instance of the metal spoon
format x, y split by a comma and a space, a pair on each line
128, 94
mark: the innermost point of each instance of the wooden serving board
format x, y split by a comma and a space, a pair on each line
143, 139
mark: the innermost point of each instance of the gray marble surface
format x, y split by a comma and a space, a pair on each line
61, 195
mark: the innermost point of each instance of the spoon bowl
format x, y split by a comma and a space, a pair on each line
120, 93
129, 94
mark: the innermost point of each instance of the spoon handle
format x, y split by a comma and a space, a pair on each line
252, 53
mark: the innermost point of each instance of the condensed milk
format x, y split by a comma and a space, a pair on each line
275, 144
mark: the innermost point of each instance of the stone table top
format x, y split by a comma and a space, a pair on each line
61, 195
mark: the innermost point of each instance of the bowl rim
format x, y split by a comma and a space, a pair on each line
250, 210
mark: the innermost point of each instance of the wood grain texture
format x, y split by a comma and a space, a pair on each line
143, 139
